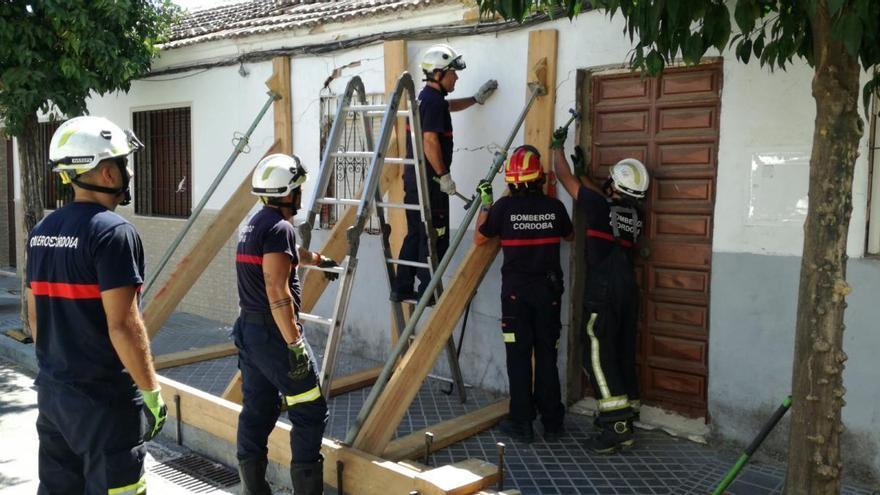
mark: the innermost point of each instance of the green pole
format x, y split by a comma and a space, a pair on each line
744, 458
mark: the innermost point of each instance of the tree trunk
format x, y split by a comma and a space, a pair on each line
33, 182
814, 465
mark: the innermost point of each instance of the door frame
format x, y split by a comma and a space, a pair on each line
575, 378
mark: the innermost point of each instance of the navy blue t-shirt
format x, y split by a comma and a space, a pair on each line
435, 117
266, 232
596, 209
74, 254
531, 228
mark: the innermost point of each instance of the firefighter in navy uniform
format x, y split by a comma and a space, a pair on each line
440, 65
531, 226
611, 304
84, 271
275, 360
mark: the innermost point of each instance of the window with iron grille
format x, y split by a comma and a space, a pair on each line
55, 194
348, 173
163, 169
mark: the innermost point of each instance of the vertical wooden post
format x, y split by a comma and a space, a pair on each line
395, 63
539, 123
282, 108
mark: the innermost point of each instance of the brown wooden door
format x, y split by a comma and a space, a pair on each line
670, 123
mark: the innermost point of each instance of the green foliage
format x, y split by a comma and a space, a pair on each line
60, 51
774, 32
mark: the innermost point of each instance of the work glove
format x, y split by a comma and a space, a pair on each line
446, 184
485, 192
557, 142
485, 91
326, 262
298, 357
155, 411
578, 162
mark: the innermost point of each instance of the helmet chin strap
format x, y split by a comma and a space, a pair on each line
124, 190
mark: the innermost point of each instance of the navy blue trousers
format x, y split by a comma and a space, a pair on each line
530, 322
89, 444
262, 359
415, 244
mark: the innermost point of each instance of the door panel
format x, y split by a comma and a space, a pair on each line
671, 124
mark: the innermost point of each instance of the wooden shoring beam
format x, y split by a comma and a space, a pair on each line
203, 250
415, 365
370, 474
448, 432
190, 356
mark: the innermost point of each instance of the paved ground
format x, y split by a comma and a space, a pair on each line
658, 464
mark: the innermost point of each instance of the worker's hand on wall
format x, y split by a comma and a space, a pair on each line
298, 357
485, 91
155, 411
557, 142
578, 162
446, 184
485, 192
326, 262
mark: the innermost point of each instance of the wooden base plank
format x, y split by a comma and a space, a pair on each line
190, 356
460, 478
354, 381
233, 390
412, 446
338, 386
20, 336
370, 474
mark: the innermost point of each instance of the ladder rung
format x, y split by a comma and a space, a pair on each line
335, 269
369, 155
408, 263
403, 206
338, 201
400, 161
316, 319
374, 110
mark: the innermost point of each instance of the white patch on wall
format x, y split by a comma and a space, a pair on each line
778, 187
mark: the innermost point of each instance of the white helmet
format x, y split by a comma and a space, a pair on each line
441, 57
629, 176
81, 143
277, 175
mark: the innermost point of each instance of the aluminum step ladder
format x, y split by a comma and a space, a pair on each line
354, 101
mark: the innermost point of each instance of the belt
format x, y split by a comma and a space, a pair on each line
257, 318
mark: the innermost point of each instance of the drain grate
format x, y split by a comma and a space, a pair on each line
196, 474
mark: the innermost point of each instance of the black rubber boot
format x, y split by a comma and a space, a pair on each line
612, 438
307, 478
521, 431
253, 477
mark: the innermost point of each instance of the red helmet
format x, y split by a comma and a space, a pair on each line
523, 165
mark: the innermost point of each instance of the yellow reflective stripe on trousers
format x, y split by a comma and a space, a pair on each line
594, 358
509, 338
307, 396
133, 489
613, 403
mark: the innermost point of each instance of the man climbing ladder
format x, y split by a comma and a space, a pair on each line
440, 65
